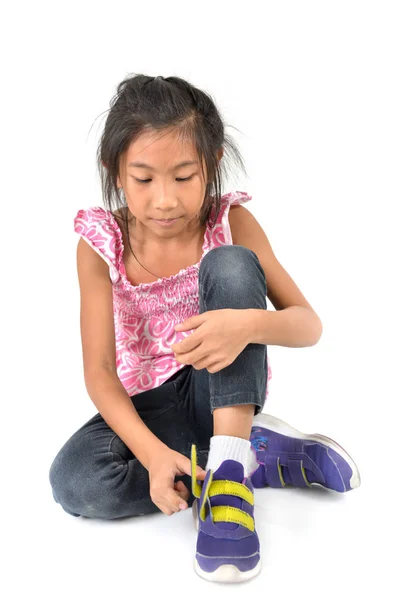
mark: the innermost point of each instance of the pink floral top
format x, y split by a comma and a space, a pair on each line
145, 314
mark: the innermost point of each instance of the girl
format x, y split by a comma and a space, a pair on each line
173, 279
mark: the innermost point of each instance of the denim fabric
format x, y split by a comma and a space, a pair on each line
96, 475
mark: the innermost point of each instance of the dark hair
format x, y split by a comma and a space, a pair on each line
144, 103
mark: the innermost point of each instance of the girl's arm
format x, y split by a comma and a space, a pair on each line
115, 406
99, 357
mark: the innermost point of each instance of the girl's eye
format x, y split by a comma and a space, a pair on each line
178, 179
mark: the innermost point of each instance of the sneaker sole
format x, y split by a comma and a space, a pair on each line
224, 573
278, 426
227, 573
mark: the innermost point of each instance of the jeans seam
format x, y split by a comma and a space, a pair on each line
114, 454
111, 441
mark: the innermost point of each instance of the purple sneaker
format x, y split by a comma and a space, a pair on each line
228, 549
288, 457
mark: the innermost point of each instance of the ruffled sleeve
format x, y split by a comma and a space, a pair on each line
228, 200
237, 197
100, 231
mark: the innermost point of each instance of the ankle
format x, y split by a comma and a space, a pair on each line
234, 421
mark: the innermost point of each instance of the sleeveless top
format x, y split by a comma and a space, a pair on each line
145, 315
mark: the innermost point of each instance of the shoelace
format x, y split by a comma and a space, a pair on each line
212, 488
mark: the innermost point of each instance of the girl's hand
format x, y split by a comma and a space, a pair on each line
168, 495
220, 337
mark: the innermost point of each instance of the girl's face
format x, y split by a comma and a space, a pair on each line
165, 188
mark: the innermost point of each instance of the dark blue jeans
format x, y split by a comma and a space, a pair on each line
96, 475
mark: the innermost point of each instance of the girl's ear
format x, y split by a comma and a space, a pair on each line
104, 164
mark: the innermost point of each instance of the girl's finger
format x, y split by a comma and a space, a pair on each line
182, 490
200, 473
173, 500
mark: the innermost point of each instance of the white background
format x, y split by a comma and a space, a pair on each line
313, 88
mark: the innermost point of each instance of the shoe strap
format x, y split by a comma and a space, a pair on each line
220, 486
273, 471
233, 488
212, 488
230, 514
297, 472
196, 487
296, 465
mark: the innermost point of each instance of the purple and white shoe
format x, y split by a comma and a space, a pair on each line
288, 457
228, 548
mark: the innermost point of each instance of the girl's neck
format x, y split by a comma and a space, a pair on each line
164, 247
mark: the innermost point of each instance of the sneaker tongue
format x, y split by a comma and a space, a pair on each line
233, 471
230, 469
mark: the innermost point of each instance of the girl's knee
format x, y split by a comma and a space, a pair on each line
89, 487
63, 481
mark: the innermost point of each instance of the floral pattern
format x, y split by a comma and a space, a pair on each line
145, 315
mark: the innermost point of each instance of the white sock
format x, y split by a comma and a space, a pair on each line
224, 447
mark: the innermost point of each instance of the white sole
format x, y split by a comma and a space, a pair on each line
278, 426
227, 573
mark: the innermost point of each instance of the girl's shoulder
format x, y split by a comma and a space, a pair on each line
92, 215
100, 230
229, 200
